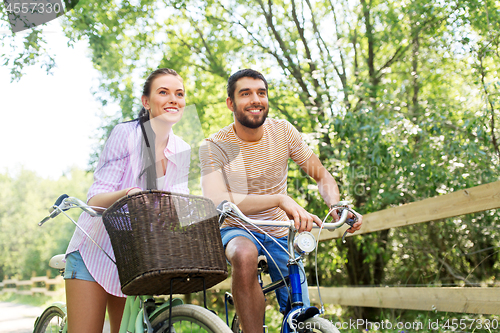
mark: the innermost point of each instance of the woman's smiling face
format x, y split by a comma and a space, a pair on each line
166, 99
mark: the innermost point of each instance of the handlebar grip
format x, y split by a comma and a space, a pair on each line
351, 221
55, 211
220, 209
60, 200
221, 206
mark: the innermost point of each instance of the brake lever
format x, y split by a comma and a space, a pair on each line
56, 210
350, 222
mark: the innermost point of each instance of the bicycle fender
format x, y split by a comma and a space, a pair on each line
307, 313
296, 316
165, 306
60, 305
139, 324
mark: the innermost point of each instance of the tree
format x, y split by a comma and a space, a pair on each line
25, 199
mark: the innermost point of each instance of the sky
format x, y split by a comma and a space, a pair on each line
48, 122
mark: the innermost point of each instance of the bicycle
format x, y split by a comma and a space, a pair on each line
143, 312
297, 318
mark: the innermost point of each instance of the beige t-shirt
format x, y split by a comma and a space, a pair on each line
256, 168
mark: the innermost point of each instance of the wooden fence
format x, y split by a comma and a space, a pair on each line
36, 285
480, 300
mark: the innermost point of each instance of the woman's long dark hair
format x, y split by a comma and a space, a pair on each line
148, 151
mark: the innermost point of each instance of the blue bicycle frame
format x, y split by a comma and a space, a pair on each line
297, 313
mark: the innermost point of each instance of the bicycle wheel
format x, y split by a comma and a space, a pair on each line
317, 324
52, 319
189, 318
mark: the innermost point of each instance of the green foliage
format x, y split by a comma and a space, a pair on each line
25, 248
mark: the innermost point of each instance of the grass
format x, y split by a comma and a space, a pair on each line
400, 321
390, 321
33, 300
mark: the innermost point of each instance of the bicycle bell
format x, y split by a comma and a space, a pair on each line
304, 242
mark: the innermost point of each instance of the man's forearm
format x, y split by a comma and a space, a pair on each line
327, 187
248, 204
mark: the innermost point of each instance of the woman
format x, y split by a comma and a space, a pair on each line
139, 154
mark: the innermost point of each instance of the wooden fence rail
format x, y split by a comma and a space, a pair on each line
472, 200
467, 300
36, 285
447, 299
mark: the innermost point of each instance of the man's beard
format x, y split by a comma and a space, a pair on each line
248, 120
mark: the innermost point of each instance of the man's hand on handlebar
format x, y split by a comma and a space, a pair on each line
353, 216
303, 219
357, 225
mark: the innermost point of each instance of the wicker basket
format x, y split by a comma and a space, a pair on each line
157, 236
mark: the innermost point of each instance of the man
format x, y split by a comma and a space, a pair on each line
246, 163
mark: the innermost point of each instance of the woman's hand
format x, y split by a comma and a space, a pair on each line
104, 200
133, 190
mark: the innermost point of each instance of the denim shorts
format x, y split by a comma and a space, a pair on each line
280, 256
76, 269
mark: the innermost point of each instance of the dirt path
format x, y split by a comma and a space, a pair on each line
17, 318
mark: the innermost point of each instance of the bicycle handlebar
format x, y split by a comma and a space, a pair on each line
65, 202
229, 208
302, 243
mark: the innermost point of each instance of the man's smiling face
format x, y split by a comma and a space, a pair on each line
250, 105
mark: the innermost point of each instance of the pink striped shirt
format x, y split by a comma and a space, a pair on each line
119, 167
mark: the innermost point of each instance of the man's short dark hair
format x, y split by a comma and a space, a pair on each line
231, 82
